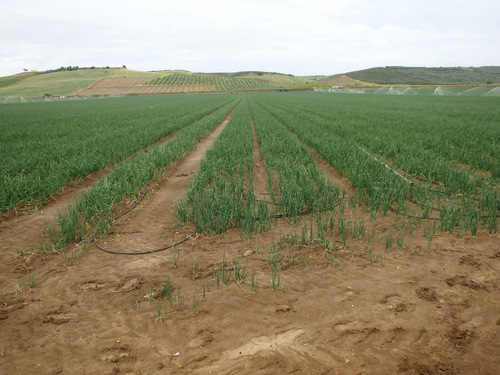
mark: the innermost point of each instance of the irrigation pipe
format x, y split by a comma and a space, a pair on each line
411, 183
138, 252
413, 216
280, 216
142, 252
271, 217
385, 165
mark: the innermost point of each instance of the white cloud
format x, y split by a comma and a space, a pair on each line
295, 36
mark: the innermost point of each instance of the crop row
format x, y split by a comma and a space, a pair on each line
94, 208
361, 143
302, 186
222, 195
45, 146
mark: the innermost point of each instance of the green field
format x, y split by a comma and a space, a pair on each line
429, 158
45, 146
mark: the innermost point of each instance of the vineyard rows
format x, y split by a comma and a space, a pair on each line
216, 82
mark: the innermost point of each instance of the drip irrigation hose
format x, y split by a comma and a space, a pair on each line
413, 216
142, 252
425, 205
134, 206
138, 252
280, 216
271, 217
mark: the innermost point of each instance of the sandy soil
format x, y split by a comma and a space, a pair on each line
359, 309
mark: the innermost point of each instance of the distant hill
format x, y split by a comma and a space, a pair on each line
393, 75
60, 82
93, 81
122, 81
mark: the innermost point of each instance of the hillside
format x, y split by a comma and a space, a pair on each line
393, 75
122, 81
61, 82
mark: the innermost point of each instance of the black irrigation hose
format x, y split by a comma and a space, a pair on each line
276, 216
139, 252
271, 217
134, 206
142, 252
279, 216
303, 213
413, 216
426, 205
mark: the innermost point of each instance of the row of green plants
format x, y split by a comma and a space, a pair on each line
222, 195
377, 187
301, 186
92, 212
368, 146
216, 81
455, 130
46, 146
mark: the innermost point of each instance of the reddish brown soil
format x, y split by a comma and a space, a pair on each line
358, 309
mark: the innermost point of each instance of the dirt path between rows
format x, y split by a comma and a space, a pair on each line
259, 168
26, 230
367, 309
154, 224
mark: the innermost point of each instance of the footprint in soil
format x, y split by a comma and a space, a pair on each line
423, 366
462, 280
427, 294
461, 338
118, 354
393, 303
470, 260
202, 339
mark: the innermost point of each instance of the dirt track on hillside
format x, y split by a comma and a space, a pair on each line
414, 311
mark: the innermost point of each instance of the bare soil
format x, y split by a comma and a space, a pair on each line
362, 308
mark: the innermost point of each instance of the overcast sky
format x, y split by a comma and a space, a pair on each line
300, 37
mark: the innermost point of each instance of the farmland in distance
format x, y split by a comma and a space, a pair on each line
277, 232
